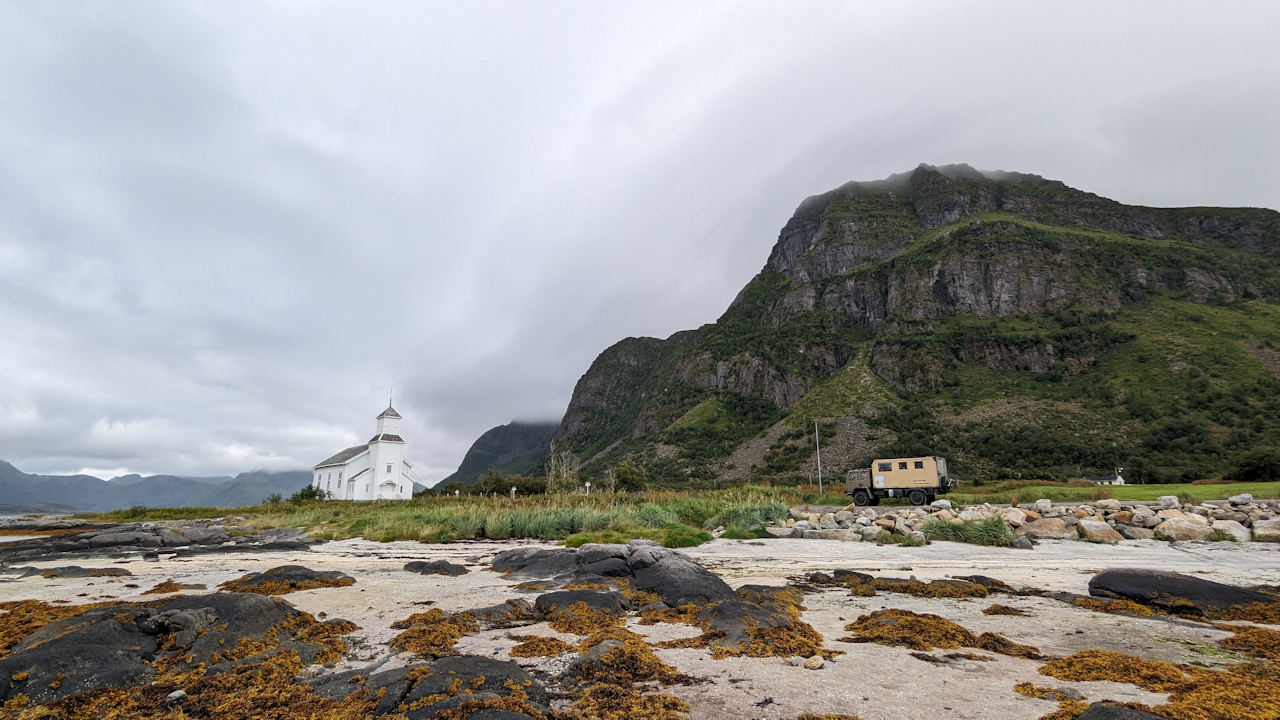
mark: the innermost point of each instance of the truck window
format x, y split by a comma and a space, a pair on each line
902, 465
919, 464
885, 467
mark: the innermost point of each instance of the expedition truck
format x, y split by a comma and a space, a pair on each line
918, 479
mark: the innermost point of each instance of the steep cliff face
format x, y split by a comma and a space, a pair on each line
899, 271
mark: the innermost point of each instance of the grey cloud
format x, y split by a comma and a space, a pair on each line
227, 230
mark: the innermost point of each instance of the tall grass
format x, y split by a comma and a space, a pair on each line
991, 531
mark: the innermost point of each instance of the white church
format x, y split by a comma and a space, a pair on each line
376, 470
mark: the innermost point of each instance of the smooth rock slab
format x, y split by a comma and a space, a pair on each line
1266, 530
1174, 592
1049, 528
1098, 531
1234, 529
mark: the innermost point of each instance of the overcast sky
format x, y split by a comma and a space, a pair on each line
228, 228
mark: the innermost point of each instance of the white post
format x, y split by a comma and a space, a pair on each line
819, 446
513, 492
588, 484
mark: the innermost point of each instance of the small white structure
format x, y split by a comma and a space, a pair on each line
376, 470
1116, 479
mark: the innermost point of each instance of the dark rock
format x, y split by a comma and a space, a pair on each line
288, 576
820, 578
679, 580
609, 567
169, 538
90, 655
641, 555
735, 618
75, 571
610, 603
1106, 711
842, 575
1173, 592
1023, 543
508, 614
591, 663
138, 539
435, 567
595, 552
481, 675
536, 563
204, 535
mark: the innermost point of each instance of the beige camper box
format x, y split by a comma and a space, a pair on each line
919, 479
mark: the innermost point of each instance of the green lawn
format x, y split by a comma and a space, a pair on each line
1204, 492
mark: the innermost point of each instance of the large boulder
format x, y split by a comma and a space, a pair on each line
1174, 592
553, 604
1266, 530
481, 675
679, 580
1050, 528
286, 579
733, 621
1183, 529
1238, 532
536, 563
1098, 531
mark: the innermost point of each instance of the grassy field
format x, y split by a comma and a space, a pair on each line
674, 518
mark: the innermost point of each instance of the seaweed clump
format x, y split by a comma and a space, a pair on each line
286, 579
1253, 641
24, 617
1119, 606
538, 646
998, 609
925, 631
616, 702
1247, 690
1259, 612
582, 619
627, 659
917, 588
169, 586
432, 633
262, 690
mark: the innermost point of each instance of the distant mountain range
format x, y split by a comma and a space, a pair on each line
24, 492
512, 449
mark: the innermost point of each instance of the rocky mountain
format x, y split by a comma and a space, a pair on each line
1012, 323
512, 449
23, 492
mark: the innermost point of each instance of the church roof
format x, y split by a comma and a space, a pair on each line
387, 437
390, 412
343, 456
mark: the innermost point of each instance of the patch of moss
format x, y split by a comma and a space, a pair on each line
998, 609
925, 631
538, 646
432, 633
607, 701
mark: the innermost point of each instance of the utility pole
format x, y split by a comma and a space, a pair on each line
818, 445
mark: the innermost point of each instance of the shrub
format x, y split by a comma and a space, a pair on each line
308, 494
990, 531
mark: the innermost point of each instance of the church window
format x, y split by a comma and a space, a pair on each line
339, 474
388, 467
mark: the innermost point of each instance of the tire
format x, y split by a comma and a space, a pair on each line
918, 497
875, 499
861, 497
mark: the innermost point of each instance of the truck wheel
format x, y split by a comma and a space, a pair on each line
861, 497
917, 497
